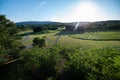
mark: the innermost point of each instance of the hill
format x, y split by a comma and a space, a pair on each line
36, 23
81, 27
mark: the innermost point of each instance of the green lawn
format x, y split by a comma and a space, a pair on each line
68, 41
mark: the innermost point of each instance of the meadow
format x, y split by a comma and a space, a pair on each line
84, 40
101, 35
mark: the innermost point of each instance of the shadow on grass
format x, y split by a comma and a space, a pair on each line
65, 32
96, 39
27, 33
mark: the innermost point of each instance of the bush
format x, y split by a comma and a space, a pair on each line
40, 42
58, 63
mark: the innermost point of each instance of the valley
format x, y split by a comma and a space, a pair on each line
84, 40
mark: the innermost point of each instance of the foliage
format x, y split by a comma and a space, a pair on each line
38, 28
38, 62
59, 63
42, 28
40, 42
95, 64
9, 44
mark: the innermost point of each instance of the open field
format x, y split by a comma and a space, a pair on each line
69, 41
102, 35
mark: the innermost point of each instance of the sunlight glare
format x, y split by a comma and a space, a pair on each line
86, 12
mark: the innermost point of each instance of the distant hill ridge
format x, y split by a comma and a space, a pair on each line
36, 22
70, 23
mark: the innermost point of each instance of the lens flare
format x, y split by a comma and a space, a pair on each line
76, 26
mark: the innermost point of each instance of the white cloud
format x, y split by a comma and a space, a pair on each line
40, 5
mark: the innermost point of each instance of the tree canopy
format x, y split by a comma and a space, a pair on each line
9, 43
40, 42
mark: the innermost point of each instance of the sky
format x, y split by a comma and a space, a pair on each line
60, 10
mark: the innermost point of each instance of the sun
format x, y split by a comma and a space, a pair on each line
85, 11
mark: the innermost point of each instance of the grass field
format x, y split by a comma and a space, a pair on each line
102, 35
68, 41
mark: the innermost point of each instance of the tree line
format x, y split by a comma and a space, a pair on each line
95, 26
39, 28
82, 27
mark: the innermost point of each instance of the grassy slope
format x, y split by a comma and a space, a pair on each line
66, 40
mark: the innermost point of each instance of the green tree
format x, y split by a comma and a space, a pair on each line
40, 42
9, 43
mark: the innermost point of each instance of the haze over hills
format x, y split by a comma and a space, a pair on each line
70, 23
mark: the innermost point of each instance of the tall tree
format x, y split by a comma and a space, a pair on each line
9, 44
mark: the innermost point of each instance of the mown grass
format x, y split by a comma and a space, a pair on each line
68, 41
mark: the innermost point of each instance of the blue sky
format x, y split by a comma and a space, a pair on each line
60, 10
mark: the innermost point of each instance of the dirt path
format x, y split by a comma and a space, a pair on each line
56, 41
26, 38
